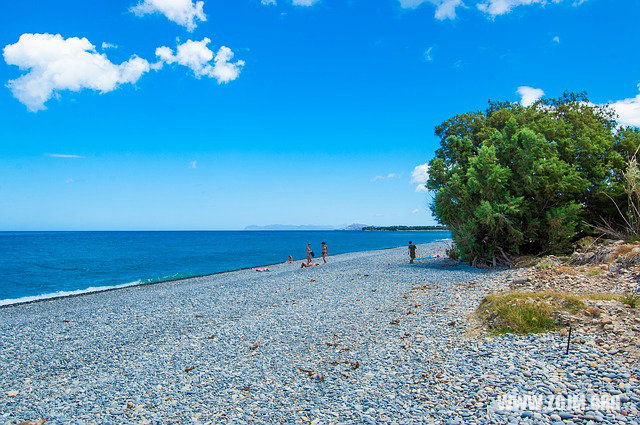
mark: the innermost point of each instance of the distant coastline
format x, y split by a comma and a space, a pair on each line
354, 226
404, 228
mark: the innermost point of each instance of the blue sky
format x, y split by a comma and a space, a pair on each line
320, 117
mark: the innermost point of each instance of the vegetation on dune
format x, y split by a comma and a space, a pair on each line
630, 299
630, 228
528, 180
525, 312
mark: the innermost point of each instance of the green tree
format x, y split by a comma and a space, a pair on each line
516, 179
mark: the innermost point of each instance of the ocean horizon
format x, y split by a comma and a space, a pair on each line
50, 264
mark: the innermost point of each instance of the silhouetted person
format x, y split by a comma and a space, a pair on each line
412, 252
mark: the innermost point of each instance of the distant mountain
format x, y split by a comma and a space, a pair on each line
291, 227
354, 226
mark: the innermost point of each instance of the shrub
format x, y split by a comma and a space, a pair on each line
630, 229
527, 180
452, 253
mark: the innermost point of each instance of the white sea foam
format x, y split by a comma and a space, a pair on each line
63, 294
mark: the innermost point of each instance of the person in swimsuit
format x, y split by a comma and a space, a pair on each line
309, 253
325, 249
303, 265
412, 252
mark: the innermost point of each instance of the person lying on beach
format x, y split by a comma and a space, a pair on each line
325, 250
303, 265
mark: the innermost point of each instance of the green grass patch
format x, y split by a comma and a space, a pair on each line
543, 264
603, 296
630, 299
526, 312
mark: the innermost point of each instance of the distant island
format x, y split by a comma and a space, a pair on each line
354, 226
403, 228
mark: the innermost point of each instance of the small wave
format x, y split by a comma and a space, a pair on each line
63, 294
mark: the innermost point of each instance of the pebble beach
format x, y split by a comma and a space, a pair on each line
367, 338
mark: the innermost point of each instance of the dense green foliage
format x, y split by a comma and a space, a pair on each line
402, 228
516, 179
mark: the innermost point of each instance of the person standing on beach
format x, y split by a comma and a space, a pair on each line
412, 252
325, 249
309, 253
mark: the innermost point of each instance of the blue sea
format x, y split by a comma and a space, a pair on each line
36, 265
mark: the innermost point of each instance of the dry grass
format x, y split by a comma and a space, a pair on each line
526, 261
595, 272
623, 250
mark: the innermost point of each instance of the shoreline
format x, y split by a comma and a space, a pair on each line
30, 299
367, 338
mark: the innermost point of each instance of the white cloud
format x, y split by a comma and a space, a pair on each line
69, 181
196, 56
54, 64
419, 177
416, 211
445, 9
193, 164
387, 177
182, 12
501, 7
106, 45
304, 2
628, 110
65, 155
556, 39
427, 54
529, 95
